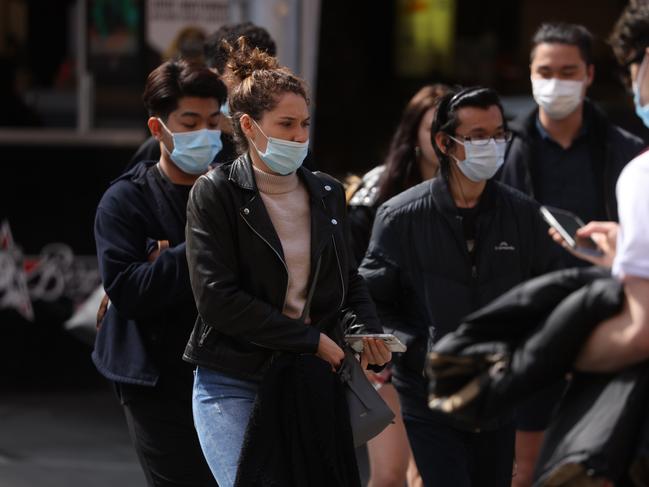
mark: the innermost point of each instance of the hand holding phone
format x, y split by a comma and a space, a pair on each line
393, 343
567, 224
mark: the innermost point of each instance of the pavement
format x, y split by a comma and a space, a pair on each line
73, 437
60, 422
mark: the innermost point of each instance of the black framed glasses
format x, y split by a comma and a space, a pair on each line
480, 140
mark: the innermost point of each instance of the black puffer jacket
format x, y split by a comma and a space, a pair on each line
420, 274
239, 276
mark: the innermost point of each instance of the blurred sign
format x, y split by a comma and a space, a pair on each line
425, 32
166, 18
113, 27
13, 283
56, 273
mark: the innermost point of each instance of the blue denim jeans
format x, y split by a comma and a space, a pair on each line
222, 405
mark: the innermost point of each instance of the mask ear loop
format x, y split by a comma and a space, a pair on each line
171, 134
253, 142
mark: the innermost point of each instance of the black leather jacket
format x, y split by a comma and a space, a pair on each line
239, 276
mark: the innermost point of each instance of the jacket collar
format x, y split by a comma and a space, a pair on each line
242, 174
444, 200
323, 223
137, 173
594, 118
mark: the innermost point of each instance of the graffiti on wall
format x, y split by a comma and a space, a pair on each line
55, 273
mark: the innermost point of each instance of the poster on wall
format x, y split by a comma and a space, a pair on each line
168, 21
425, 31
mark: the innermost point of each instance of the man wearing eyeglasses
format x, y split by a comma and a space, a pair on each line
439, 251
566, 153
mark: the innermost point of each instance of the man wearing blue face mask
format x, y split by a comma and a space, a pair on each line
441, 250
140, 236
216, 57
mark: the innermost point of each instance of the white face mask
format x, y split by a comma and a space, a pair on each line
557, 97
482, 161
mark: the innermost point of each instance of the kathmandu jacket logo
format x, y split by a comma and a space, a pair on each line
504, 246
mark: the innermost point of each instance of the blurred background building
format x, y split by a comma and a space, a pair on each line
71, 116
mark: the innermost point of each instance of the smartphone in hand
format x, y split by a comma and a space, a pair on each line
567, 224
393, 343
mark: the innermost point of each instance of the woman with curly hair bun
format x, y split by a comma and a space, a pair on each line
271, 275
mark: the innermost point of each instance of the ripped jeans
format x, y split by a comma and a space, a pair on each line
222, 405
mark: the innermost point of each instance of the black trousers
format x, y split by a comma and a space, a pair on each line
161, 427
446, 456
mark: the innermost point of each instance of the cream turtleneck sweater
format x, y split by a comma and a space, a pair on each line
287, 202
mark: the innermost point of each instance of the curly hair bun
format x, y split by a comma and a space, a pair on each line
243, 60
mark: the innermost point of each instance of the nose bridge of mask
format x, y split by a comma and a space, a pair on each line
472, 150
557, 87
276, 141
192, 138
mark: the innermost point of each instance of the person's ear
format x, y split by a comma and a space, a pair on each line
155, 127
443, 143
246, 125
590, 74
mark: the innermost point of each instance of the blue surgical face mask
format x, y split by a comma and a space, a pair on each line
641, 111
194, 151
282, 156
225, 109
482, 161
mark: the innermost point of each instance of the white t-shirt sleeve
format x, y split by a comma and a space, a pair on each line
632, 258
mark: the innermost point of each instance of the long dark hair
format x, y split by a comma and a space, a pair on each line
401, 168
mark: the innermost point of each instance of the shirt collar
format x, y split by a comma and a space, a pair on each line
546, 136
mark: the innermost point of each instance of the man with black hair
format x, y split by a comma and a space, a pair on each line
140, 237
216, 56
568, 155
441, 250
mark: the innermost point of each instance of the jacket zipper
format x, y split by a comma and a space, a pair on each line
278, 256
340, 269
340, 272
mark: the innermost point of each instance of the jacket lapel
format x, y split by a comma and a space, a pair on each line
253, 211
323, 221
171, 223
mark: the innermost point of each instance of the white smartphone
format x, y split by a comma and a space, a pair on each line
567, 224
393, 343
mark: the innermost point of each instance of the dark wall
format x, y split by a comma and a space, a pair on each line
49, 194
360, 96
